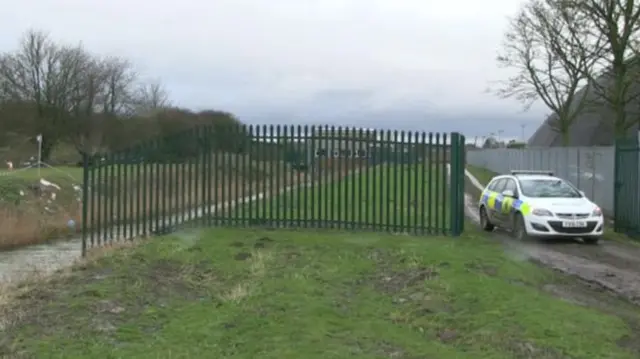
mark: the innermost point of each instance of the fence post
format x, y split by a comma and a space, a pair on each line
462, 161
625, 196
616, 186
85, 200
454, 186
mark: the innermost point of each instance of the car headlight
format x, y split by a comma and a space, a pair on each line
597, 212
542, 212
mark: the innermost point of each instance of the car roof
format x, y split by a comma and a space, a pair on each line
537, 177
527, 176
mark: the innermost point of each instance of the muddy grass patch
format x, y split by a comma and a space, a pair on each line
482, 268
310, 295
423, 301
589, 295
393, 282
631, 341
529, 350
105, 297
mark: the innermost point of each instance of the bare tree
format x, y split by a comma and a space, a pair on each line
34, 75
545, 44
119, 88
151, 96
73, 93
69, 95
615, 79
87, 94
106, 87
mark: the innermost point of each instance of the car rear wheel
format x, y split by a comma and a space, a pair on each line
519, 230
591, 240
484, 221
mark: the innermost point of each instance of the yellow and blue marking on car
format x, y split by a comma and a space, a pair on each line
497, 202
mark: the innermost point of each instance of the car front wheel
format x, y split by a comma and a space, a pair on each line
484, 220
519, 230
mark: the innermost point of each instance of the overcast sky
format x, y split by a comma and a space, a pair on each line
407, 64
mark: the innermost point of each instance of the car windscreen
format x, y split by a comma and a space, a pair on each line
548, 188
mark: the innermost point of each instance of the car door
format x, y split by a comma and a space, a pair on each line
504, 209
493, 202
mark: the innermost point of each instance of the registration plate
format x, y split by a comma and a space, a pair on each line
574, 224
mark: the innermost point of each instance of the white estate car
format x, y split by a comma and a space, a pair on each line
538, 204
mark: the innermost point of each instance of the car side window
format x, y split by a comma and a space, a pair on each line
492, 184
496, 186
511, 185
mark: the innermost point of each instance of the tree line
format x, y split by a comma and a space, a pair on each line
95, 103
575, 56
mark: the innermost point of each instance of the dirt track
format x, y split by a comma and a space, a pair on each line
610, 265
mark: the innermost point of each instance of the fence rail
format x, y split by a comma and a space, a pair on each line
277, 176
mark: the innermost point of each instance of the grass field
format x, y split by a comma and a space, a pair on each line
238, 293
483, 175
121, 194
71, 173
399, 197
260, 293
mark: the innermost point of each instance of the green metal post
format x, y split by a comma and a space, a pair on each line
94, 199
300, 189
100, 187
113, 162
401, 199
253, 187
430, 183
85, 200
453, 185
119, 194
617, 184
211, 146
145, 188
443, 229
309, 201
462, 162
139, 188
106, 191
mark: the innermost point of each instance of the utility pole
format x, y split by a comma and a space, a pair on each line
523, 126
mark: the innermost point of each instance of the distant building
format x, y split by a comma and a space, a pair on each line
347, 144
593, 127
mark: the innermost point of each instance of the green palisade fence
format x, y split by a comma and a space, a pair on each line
277, 176
626, 198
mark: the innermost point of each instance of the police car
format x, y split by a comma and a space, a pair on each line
538, 204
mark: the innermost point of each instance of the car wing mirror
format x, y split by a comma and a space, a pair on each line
508, 193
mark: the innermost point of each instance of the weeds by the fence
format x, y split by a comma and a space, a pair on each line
37, 206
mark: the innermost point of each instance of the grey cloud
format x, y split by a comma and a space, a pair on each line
407, 64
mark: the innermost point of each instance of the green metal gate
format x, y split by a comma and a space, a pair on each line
277, 176
627, 187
